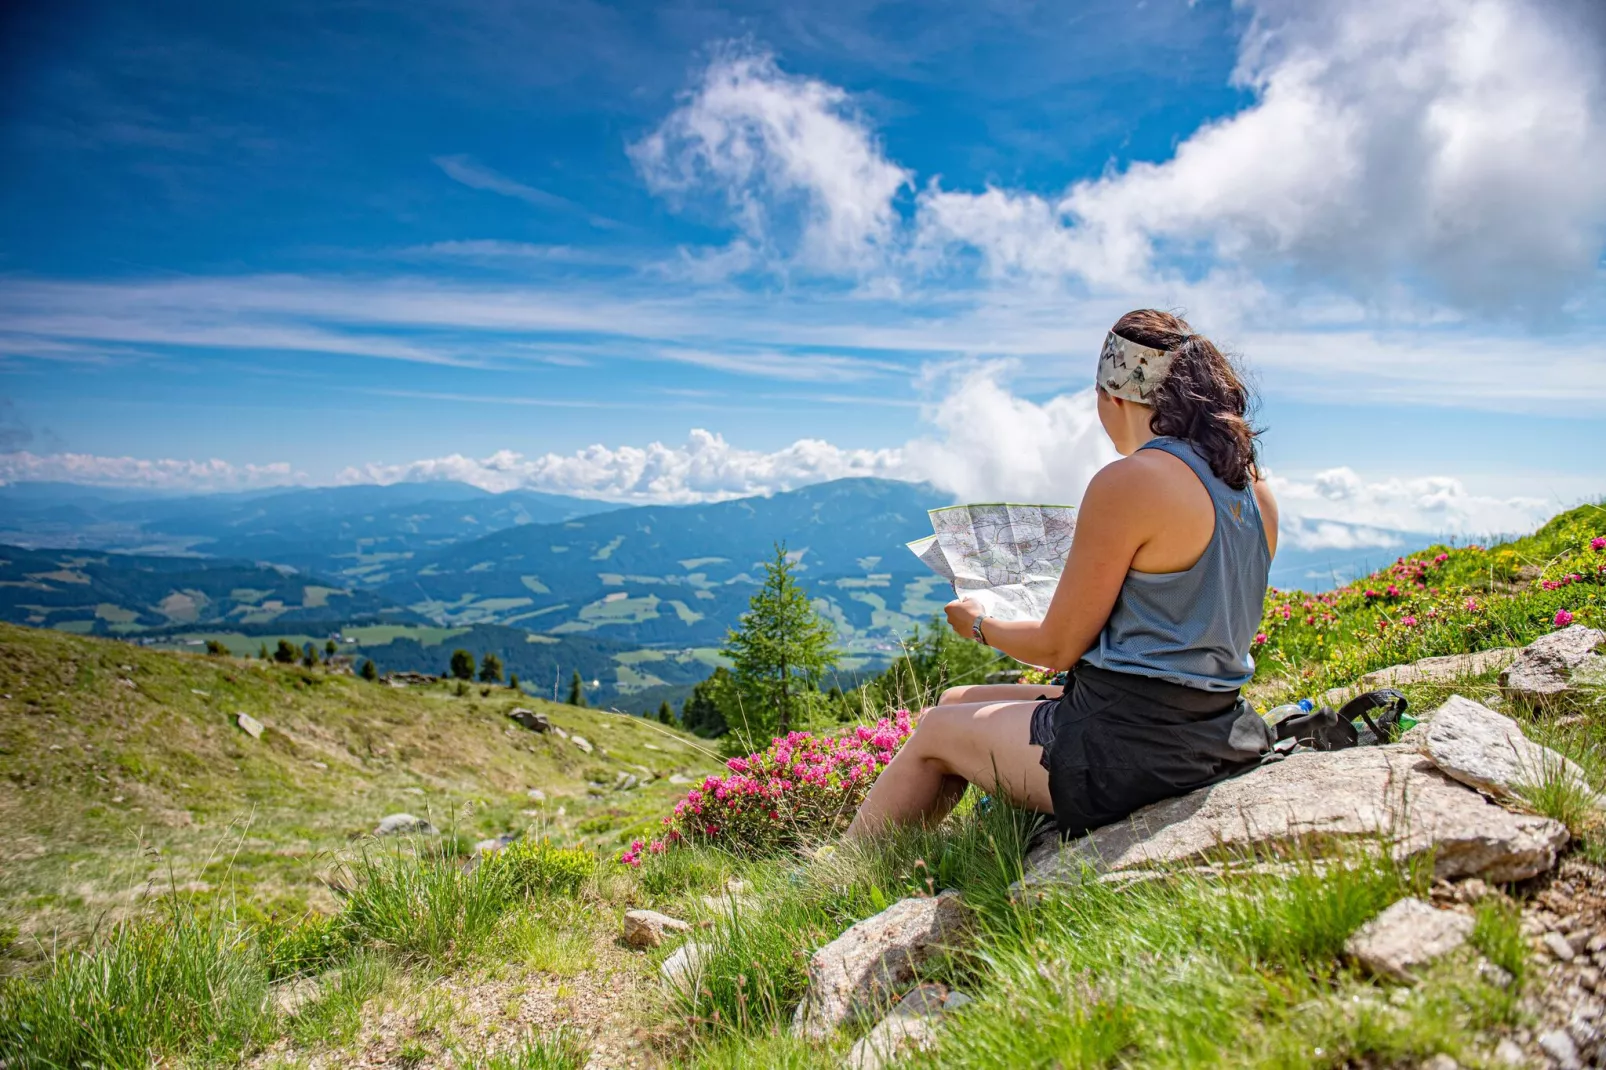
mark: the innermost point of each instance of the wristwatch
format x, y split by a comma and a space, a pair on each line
975, 630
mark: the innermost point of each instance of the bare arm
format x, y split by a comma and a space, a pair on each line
1112, 524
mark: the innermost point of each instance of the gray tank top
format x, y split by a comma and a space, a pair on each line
1195, 627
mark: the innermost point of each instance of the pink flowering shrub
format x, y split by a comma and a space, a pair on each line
798, 789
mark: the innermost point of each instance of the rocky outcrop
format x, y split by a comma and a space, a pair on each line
1488, 751
646, 928
1553, 664
403, 824
867, 966
1407, 936
911, 1025
535, 722
1447, 667
1364, 794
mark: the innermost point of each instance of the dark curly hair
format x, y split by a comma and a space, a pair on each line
1201, 399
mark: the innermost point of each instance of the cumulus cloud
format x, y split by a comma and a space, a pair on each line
166, 474
1337, 508
799, 171
1452, 142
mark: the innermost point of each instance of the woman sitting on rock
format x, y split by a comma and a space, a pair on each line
1156, 611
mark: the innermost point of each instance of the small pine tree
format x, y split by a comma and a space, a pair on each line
577, 690
330, 647
513, 681
262, 652
491, 669
285, 653
712, 706
216, 648
462, 664
370, 671
779, 652
309, 656
666, 713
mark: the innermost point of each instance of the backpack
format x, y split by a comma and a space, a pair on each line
1329, 729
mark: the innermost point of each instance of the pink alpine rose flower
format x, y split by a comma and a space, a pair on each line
1563, 618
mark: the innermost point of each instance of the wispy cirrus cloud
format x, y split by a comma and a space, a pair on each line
476, 175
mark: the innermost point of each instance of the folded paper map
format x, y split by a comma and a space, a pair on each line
1007, 557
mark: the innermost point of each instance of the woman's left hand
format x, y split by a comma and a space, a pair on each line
962, 614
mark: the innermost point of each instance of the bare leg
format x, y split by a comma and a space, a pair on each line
999, 693
982, 743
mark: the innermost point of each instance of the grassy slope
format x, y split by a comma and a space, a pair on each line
119, 764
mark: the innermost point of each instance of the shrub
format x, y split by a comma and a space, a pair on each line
286, 653
185, 987
307, 946
424, 907
462, 666
370, 671
533, 867
796, 791
215, 648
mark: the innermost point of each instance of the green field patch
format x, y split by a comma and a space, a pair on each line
874, 601
76, 627
706, 596
314, 597
380, 634
558, 549
699, 580
612, 579
501, 605
879, 579
536, 637
65, 575
686, 614
534, 585
629, 679
182, 607
691, 563
115, 614
925, 596
640, 657
248, 595
616, 608
483, 566
868, 563
606, 552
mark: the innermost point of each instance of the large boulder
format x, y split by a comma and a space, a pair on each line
1553, 664
866, 967
1364, 795
534, 721
1407, 936
912, 1024
1488, 751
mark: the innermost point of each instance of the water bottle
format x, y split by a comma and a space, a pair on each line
1287, 709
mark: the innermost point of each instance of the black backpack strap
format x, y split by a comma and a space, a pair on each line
1361, 706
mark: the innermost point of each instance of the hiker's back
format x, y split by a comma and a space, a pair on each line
1193, 625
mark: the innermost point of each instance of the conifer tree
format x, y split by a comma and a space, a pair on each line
285, 654
712, 706
491, 669
666, 713
577, 690
779, 652
330, 647
462, 664
513, 681
262, 651
370, 671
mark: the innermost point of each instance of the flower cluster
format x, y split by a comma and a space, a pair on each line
798, 789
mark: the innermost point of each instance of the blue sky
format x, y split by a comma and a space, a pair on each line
678, 251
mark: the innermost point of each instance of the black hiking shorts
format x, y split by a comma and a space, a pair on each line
1115, 742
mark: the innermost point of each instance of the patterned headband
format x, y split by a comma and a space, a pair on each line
1128, 370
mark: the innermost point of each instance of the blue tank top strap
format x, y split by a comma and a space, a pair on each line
1195, 627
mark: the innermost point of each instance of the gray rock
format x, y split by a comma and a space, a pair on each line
677, 779
535, 722
1560, 1047
646, 928
912, 1024
1508, 1053
1488, 751
401, 824
582, 742
495, 844
1408, 935
1441, 1061
625, 781
1549, 666
1448, 667
1365, 794
863, 969
536, 795
682, 970
249, 725
1558, 946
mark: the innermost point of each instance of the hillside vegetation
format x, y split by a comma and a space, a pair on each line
419, 960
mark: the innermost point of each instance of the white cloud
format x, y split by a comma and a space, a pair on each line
800, 173
166, 474
1440, 505
1453, 143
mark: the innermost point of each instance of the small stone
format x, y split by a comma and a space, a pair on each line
582, 742
536, 795
646, 928
677, 779
681, 970
1558, 946
403, 824
535, 722
1441, 1061
625, 781
1497, 976
1597, 944
1409, 934
1578, 940
910, 1025
1472, 890
1507, 1053
320, 765
249, 725
1560, 1047
1589, 977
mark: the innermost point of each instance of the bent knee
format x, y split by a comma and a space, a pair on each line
952, 695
